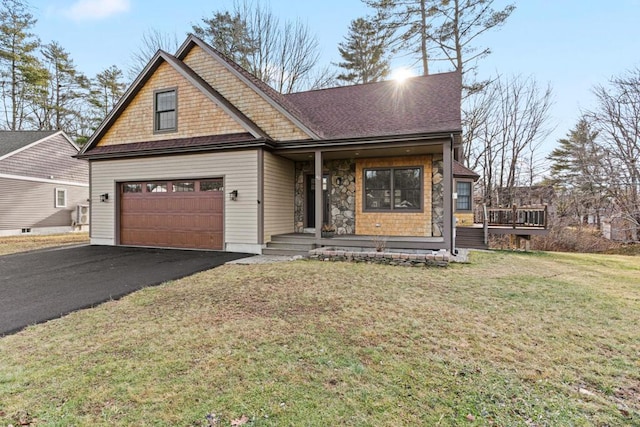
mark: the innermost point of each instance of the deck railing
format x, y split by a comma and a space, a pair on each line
518, 217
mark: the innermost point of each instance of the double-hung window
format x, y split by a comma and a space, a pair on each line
60, 198
393, 189
464, 190
165, 102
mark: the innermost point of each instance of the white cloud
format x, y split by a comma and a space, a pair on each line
96, 9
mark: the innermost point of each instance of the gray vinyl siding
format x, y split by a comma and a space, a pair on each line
279, 180
238, 168
49, 158
28, 204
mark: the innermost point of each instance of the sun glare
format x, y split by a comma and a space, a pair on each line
400, 75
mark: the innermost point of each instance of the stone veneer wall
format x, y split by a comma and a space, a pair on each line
440, 258
342, 197
437, 197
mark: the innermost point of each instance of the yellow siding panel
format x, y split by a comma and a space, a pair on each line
392, 223
244, 98
197, 114
464, 219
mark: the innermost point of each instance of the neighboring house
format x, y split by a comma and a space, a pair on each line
42, 184
201, 154
620, 229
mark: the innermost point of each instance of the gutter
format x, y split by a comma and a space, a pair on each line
176, 150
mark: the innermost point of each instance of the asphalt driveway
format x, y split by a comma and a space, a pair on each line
43, 285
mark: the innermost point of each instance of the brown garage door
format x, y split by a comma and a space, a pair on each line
173, 214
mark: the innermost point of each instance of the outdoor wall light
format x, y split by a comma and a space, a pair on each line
233, 195
339, 180
104, 197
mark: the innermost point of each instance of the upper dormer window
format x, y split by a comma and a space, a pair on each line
165, 103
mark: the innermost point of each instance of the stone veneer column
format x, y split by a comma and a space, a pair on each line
437, 197
342, 197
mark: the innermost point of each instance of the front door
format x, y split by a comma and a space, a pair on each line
311, 200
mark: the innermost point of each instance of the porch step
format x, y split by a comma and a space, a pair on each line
299, 246
284, 252
470, 238
290, 245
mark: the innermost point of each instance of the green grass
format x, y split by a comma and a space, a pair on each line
510, 339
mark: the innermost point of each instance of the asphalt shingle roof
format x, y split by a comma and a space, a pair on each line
11, 141
425, 104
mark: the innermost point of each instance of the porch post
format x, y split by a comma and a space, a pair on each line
447, 172
318, 194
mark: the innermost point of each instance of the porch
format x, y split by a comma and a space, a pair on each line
395, 193
302, 243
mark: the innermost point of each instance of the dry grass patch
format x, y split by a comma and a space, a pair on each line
13, 244
511, 339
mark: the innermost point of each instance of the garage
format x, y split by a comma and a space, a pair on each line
174, 214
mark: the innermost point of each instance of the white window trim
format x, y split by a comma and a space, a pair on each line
64, 191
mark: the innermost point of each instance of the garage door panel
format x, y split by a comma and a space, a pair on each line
191, 219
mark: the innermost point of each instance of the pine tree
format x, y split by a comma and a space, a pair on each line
364, 52
577, 169
66, 89
229, 34
106, 90
20, 68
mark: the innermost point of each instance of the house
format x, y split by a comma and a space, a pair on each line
43, 185
201, 154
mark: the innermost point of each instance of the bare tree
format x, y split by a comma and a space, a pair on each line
617, 118
152, 41
437, 30
509, 121
283, 55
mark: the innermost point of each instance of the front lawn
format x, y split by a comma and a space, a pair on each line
13, 244
531, 339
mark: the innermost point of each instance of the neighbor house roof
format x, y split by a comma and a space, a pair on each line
425, 104
11, 141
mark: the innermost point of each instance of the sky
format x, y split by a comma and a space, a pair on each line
572, 45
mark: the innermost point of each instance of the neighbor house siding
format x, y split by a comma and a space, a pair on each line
197, 114
244, 98
394, 223
30, 204
279, 179
49, 158
238, 168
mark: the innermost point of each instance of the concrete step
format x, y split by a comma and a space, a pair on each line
299, 246
284, 252
292, 237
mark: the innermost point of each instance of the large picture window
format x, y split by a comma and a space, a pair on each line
463, 202
393, 189
165, 111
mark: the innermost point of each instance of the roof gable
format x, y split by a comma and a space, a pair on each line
47, 158
253, 96
11, 141
163, 60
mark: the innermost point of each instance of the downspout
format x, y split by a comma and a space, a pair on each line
452, 249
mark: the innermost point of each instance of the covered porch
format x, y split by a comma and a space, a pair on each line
347, 212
